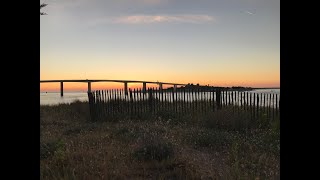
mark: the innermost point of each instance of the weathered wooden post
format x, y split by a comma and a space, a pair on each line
144, 87
258, 106
213, 99
175, 88
126, 88
218, 98
160, 87
276, 104
89, 87
91, 106
150, 100
61, 88
131, 103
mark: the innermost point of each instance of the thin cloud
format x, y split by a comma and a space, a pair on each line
146, 19
249, 12
153, 1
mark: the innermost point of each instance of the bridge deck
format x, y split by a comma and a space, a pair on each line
107, 80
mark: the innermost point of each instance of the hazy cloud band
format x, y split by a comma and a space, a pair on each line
146, 19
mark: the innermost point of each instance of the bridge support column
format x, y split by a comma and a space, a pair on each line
126, 88
144, 87
61, 89
89, 87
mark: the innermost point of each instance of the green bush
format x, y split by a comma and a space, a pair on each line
51, 148
153, 148
80, 109
232, 118
128, 134
208, 138
154, 151
73, 131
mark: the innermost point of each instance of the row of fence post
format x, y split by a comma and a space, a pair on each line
108, 104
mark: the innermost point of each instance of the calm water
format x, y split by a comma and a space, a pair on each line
52, 98
68, 97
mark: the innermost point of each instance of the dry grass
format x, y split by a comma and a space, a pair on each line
74, 148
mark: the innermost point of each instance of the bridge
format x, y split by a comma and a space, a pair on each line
125, 82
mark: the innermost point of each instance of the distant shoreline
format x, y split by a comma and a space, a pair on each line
267, 88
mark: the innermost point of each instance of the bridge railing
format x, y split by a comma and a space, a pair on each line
125, 82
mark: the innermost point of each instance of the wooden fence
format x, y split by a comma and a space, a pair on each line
107, 105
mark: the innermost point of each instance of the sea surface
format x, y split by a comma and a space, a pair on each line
53, 98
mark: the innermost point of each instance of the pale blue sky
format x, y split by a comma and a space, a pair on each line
217, 42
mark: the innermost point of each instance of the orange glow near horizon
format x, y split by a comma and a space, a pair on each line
225, 74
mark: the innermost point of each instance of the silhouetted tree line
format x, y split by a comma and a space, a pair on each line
191, 86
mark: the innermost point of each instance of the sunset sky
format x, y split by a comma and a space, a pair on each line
215, 42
